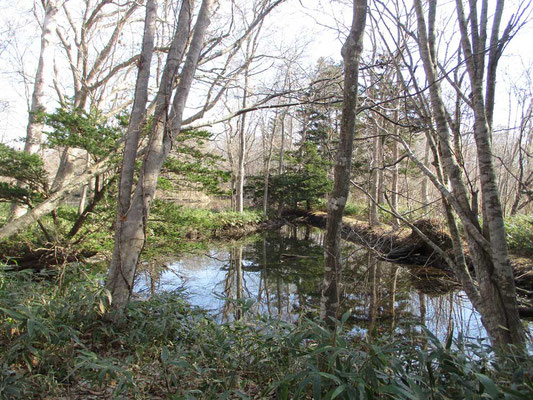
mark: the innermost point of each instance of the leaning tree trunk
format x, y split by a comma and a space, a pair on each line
34, 130
137, 118
494, 294
351, 53
55, 199
499, 281
131, 232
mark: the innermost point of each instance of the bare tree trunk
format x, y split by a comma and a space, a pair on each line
131, 233
394, 179
280, 164
117, 278
34, 129
496, 299
524, 149
351, 53
242, 143
138, 113
64, 171
424, 193
373, 216
499, 281
268, 160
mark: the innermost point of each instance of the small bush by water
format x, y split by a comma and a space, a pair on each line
519, 230
55, 342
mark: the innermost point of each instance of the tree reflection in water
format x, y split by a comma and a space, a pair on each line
278, 274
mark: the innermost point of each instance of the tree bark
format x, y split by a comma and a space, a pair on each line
34, 130
351, 53
242, 139
496, 301
267, 161
375, 180
131, 232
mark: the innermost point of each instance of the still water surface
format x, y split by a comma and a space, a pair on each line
279, 274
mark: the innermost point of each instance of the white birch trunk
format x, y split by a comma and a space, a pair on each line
130, 241
34, 130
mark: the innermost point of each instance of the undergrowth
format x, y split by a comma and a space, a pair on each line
171, 229
55, 342
519, 229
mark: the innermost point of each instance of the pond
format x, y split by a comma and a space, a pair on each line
279, 274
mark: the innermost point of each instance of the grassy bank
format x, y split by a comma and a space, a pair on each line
172, 229
55, 343
519, 228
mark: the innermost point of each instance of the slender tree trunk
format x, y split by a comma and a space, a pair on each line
524, 148
242, 144
351, 53
138, 113
373, 216
131, 234
98, 196
424, 193
268, 161
394, 178
34, 129
496, 300
499, 282
280, 166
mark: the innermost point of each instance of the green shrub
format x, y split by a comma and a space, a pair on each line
519, 229
358, 210
54, 340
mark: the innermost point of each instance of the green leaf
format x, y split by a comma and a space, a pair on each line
345, 316
338, 391
331, 377
450, 339
164, 354
14, 314
398, 391
490, 387
317, 387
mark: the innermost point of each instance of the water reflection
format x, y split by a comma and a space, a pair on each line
279, 274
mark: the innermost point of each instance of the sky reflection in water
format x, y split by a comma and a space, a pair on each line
279, 274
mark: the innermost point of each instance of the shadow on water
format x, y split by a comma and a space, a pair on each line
279, 274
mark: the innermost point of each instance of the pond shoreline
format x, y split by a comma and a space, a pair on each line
404, 246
